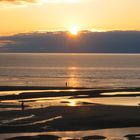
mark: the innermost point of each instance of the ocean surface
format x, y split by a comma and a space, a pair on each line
78, 70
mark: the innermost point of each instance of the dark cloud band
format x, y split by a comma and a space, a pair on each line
86, 41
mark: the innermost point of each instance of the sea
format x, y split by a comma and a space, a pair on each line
90, 70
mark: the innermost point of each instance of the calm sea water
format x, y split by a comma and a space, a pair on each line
84, 70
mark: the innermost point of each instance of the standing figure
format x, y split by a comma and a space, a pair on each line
66, 84
22, 105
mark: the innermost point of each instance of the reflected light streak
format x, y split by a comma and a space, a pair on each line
72, 103
73, 81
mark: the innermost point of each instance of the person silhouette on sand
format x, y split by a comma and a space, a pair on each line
66, 84
22, 105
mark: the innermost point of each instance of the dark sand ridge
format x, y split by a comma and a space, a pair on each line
50, 137
11, 88
38, 137
68, 118
75, 94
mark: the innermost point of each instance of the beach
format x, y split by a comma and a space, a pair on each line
70, 70
66, 109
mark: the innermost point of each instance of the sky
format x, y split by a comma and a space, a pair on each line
18, 16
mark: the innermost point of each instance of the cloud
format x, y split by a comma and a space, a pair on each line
86, 41
38, 1
6, 4
17, 1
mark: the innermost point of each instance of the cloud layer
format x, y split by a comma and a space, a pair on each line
38, 1
18, 1
86, 41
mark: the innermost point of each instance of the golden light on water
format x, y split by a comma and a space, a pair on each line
72, 68
72, 90
73, 81
72, 103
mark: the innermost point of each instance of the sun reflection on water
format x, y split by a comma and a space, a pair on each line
73, 90
73, 81
72, 103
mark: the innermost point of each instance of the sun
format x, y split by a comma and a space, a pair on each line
74, 30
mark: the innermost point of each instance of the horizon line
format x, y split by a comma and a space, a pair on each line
67, 31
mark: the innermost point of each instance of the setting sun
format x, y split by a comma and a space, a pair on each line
74, 30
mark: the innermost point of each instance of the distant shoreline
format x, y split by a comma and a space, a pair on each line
78, 53
10, 88
64, 91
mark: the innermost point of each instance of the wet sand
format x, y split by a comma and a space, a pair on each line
65, 91
69, 118
88, 116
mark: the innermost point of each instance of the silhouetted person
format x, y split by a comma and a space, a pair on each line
66, 84
22, 105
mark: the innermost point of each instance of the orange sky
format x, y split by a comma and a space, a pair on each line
53, 15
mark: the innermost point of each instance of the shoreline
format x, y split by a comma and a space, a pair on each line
11, 88
74, 92
84, 117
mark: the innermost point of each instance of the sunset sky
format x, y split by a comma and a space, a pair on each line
96, 15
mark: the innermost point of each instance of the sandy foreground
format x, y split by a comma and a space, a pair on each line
85, 116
